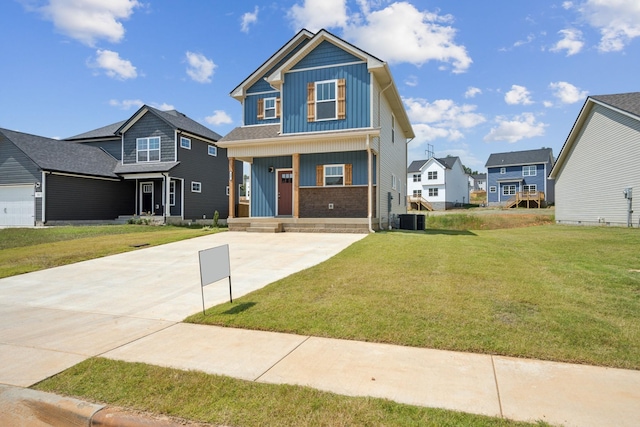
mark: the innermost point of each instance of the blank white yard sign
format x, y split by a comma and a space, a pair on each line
214, 266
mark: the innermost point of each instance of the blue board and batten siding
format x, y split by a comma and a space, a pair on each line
263, 182
147, 126
513, 176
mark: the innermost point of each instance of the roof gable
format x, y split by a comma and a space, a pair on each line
282, 54
516, 158
175, 119
63, 156
104, 132
624, 103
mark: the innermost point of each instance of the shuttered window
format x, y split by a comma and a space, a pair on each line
326, 100
334, 175
268, 108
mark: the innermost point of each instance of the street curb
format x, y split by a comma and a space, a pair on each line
31, 408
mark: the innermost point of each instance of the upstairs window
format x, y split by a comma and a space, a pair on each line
185, 143
393, 129
212, 150
432, 175
417, 177
529, 171
503, 171
326, 100
196, 187
148, 149
394, 180
270, 108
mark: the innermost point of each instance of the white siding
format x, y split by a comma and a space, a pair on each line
457, 184
393, 162
604, 160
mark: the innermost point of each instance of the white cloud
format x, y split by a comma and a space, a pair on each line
567, 5
219, 117
617, 20
317, 14
200, 68
529, 39
126, 104
518, 95
411, 81
547, 104
113, 65
567, 93
521, 127
472, 92
89, 20
402, 33
162, 107
571, 41
248, 19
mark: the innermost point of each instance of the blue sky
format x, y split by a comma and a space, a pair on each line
477, 77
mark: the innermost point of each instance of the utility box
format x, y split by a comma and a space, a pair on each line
408, 222
420, 222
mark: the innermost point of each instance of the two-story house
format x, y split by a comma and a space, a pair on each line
520, 178
442, 182
325, 133
176, 169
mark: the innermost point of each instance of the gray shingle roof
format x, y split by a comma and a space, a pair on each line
514, 158
145, 167
252, 132
480, 176
447, 162
108, 131
629, 102
63, 156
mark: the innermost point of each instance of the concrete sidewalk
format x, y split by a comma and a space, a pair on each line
518, 389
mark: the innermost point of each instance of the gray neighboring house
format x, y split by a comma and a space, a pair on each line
599, 160
173, 163
45, 180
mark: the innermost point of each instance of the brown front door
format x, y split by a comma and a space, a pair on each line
285, 192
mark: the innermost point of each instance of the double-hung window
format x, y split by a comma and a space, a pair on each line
508, 190
326, 100
172, 193
529, 189
148, 149
269, 108
333, 175
432, 175
417, 177
433, 192
529, 171
417, 193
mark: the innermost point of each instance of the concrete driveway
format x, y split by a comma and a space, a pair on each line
52, 319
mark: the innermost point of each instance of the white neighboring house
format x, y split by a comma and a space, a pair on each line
442, 182
478, 182
600, 160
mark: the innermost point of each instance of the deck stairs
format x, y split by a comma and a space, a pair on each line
532, 199
419, 203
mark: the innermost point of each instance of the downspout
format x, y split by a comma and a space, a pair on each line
369, 186
44, 196
165, 197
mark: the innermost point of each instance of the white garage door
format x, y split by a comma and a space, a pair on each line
17, 205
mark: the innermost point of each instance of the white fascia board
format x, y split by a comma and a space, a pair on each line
282, 139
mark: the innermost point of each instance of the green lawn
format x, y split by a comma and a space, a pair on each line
230, 402
29, 249
547, 292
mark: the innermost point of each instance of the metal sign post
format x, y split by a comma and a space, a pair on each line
214, 266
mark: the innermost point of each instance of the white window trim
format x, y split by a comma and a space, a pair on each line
417, 193
215, 150
196, 184
393, 129
185, 143
417, 177
529, 168
434, 174
515, 189
172, 193
503, 171
138, 151
265, 109
529, 188
493, 189
335, 100
394, 182
433, 192
325, 175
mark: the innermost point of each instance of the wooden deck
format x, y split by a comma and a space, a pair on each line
532, 199
419, 203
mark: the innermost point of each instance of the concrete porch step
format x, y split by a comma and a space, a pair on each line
265, 227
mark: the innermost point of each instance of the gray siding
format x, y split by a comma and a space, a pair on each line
213, 172
150, 125
77, 199
602, 162
15, 166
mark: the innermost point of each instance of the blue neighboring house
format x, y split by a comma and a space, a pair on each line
520, 178
325, 133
